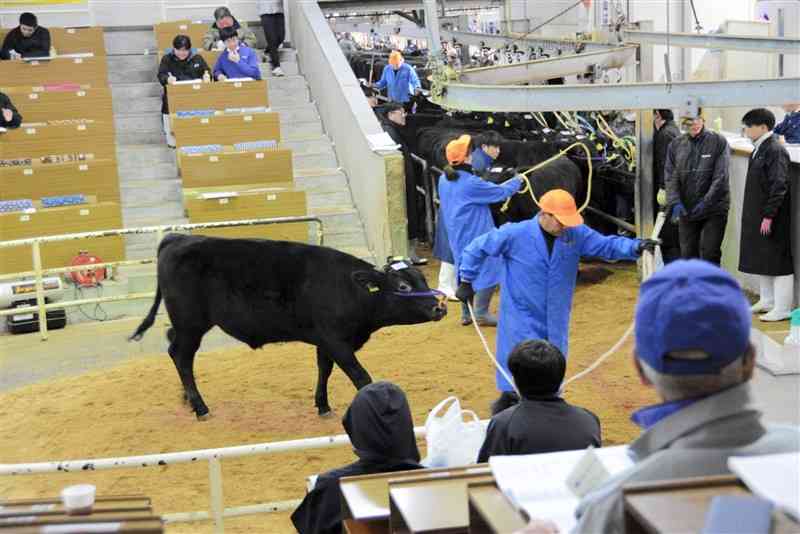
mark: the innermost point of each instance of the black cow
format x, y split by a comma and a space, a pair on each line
261, 291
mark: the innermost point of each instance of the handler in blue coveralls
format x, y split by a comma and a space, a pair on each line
465, 212
400, 79
539, 261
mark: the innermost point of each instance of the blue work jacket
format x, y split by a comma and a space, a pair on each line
466, 214
537, 287
401, 83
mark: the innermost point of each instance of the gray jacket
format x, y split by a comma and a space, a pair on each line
695, 441
270, 7
696, 171
245, 34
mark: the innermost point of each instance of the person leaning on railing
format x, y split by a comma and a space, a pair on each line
9, 116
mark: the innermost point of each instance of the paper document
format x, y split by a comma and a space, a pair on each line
775, 477
540, 484
187, 82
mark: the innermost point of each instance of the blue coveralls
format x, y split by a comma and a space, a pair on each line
401, 83
537, 287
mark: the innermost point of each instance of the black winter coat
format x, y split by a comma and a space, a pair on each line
697, 170
37, 45
382, 433
767, 194
661, 141
538, 425
191, 68
16, 119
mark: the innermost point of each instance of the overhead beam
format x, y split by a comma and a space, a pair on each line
406, 29
500, 41
393, 5
778, 45
510, 98
545, 69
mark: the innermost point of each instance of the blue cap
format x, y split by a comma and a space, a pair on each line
691, 305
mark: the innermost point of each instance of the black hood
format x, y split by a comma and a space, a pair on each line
380, 426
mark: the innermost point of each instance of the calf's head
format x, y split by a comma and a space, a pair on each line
401, 294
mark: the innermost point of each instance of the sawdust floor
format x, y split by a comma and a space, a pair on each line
267, 395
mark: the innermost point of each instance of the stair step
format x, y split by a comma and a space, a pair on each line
333, 180
144, 192
134, 62
311, 144
138, 122
304, 112
338, 220
325, 159
327, 199
165, 213
290, 68
131, 176
287, 83
144, 156
301, 129
152, 137
346, 240
131, 76
132, 91
279, 98
142, 104
129, 41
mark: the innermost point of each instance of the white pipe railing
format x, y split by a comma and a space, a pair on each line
38, 272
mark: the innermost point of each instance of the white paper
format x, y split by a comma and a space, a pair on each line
187, 82
382, 141
219, 194
775, 477
537, 483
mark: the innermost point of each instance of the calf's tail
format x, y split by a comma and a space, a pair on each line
150, 319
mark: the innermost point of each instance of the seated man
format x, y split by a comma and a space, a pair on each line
26, 40
9, 116
542, 421
237, 61
223, 19
692, 346
382, 434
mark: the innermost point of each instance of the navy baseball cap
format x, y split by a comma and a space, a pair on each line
691, 305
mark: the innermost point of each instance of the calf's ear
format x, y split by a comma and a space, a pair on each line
371, 280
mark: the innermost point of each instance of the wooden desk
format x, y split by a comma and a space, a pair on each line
44, 106
74, 40
96, 177
218, 95
433, 504
490, 512
681, 505
229, 128
34, 141
236, 168
87, 70
166, 32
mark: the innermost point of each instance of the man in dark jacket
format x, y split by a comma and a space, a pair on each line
382, 434
766, 248
9, 116
698, 190
179, 64
666, 131
542, 421
26, 40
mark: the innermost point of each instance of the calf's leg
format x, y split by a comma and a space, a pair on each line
343, 355
324, 367
182, 349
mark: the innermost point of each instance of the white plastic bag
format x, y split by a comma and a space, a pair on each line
452, 441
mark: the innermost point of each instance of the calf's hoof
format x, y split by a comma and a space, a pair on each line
326, 413
204, 417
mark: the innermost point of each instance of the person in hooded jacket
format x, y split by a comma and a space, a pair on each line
9, 116
224, 19
465, 212
179, 64
381, 431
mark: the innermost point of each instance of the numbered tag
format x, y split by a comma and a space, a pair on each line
34, 63
83, 168
81, 93
30, 131
259, 155
272, 197
81, 127
38, 89
183, 27
84, 212
204, 120
237, 84
27, 172
33, 96
71, 31
24, 218
248, 118
196, 86
78, 60
223, 201
213, 159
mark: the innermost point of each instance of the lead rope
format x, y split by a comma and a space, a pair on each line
648, 269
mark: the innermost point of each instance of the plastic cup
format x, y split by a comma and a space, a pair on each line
78, 499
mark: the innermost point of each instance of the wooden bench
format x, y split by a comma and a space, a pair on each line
88, 70
166, 32
257, 205
74, 40
230, 128
49, 106
97, 177
32, 141
236, 168
218, 95
58, 221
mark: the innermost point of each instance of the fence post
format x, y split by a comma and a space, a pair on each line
37, 267
215, 490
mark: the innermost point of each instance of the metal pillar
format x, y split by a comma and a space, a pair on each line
432, 23
644, 192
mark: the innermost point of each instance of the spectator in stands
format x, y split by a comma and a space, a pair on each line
399, 79
9, 116
692, 346
393, 119
666, 131
274, 23
223, 19
26, 40
237, 61
348, 45
381, 430
179, 64
542, 421
789, 128
766, 241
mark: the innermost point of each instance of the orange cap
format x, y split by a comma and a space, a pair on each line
458, 150
395, 58
561, 205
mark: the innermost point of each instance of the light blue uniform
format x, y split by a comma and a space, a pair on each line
401, 83
537, 287
466, 215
